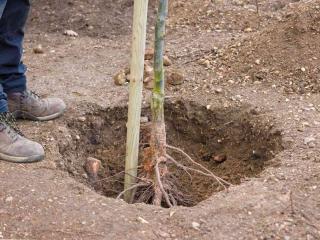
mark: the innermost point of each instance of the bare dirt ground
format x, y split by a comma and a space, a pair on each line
251, 92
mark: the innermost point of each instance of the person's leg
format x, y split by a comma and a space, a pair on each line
12, 22
2, 6
3, 96
21, 103
13, 146
3, 101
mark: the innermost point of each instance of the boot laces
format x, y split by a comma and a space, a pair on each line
30, 94
9, 125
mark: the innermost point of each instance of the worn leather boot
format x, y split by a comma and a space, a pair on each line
14, 147
29, 105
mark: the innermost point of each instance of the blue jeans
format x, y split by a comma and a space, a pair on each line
13, 16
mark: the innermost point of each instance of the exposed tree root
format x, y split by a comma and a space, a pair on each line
159, 181
131, 188
157, 186
206, 172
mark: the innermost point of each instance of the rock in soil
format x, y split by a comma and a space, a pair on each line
148, 82
166, 61
148, 70
92, 166
149, 53
174, 77
38, 49
120, 78
70, 33
219, 158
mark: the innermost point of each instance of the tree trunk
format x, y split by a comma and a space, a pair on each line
158, 131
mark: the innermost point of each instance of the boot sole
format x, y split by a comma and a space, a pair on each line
13, 159
26, 115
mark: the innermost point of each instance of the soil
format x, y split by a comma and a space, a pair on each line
251, 94
246, 140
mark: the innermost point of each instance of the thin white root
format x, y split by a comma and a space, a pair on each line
185, 168
130, 188
165, 194
209, 173
117, 174
179, 165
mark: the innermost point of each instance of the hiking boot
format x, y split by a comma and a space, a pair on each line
29, 105
14, 147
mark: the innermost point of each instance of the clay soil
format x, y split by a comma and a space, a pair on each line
251, 94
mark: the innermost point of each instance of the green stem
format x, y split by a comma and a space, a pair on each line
157, 104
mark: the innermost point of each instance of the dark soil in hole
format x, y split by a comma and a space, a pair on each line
239, 137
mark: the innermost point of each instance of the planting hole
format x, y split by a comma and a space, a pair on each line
234, 143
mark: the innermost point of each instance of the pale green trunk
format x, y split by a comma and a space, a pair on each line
158, 132
157, 104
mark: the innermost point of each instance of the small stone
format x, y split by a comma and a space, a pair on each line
172, 213
148, 70
120, 78
257, 61
9, 199
218, 90
91, 167
248, 29
207, 63
149, 53
82, 119
196, 225
166, 61
148, 83
142, 220
305, 124
70, 33
175, 77
312, 145
77, 137
256, 154
309, 140
303, 69
219, 158
231, 81
38, 49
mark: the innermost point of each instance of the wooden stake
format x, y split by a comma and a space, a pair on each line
135, 94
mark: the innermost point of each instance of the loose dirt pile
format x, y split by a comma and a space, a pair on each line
286, 55
213, 15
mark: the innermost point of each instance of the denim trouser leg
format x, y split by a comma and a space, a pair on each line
12, 70
3, 96
2, 6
